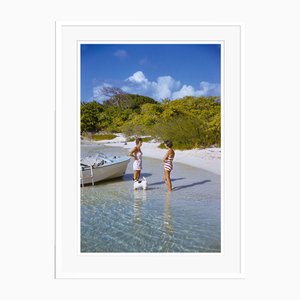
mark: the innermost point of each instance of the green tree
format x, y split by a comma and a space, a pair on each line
89, 116
189, 122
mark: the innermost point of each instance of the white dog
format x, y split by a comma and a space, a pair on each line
140, 184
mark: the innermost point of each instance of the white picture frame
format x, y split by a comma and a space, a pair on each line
69, 262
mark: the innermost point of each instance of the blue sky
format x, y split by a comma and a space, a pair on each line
159, 71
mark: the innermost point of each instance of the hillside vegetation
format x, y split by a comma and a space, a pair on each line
190, 122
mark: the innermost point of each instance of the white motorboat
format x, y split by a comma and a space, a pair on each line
101, 167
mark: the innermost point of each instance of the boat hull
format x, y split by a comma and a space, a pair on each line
104, 172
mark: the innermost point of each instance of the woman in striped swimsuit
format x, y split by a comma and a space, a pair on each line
168, 164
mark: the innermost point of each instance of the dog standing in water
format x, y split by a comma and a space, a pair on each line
140, 184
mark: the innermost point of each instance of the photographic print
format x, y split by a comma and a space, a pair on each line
148, 151
150, 148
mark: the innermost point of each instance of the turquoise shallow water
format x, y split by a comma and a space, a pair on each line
115, 218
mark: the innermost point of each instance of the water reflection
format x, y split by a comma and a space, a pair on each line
139, 197
115, 218
168, 224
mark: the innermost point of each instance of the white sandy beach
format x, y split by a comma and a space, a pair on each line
208, 159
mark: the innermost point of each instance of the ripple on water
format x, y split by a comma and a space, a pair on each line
115, 218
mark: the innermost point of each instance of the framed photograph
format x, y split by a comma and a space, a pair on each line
148, 151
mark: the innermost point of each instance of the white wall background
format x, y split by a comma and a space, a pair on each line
270, 140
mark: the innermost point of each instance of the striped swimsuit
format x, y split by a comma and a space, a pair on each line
168, 165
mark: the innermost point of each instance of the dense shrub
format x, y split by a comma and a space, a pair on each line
189, 122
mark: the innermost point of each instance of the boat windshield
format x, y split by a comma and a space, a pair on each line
98, 159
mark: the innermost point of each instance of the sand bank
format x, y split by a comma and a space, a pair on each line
208, 159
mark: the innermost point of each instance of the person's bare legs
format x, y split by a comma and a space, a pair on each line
136, 175
168, 180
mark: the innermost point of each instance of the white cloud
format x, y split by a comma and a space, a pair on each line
160, 89
138, 78
210, 88
121, 54
186, 90
206, 89
127, 89
163, 87
97, 91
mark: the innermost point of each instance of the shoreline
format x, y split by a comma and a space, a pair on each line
208, 159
